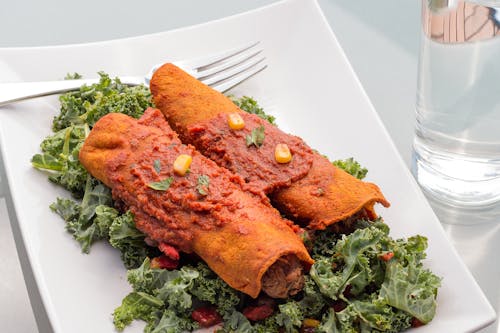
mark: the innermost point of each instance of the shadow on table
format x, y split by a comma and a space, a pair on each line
476, 236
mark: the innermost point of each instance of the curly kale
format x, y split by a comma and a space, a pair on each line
168, 289
312, 303
365, 316
236, 322
382, 292
290, 316
136, 305
171, 322
60, 159
80, 217
90, 103
93, 219
352, 167
124, 236
209, 287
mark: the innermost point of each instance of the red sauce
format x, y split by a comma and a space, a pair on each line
172, 216
257, 165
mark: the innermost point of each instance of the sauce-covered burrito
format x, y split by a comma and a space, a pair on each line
182, 199
306, 186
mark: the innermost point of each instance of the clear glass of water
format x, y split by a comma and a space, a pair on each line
456, 151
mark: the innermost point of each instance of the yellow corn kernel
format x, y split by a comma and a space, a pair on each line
309, 322
235, 121
282, 153
182, 164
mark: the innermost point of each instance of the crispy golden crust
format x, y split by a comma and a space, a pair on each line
187, 101
327, 195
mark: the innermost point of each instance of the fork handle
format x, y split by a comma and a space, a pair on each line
18, 91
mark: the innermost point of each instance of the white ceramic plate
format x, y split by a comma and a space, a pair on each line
311, 89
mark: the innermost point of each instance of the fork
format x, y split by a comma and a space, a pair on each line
222, 71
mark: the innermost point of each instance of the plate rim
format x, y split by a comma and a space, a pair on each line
10, 191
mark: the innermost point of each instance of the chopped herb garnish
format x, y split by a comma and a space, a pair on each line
256, 137
162, 185
203, 183
157, 166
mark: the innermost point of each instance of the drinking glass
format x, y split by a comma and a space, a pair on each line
456, 149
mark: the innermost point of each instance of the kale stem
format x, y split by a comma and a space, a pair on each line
67, 138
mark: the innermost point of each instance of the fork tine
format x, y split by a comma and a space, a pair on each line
204, 66
198, 63
231, 72
236, 79
227, 63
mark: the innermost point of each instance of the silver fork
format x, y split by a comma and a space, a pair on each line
222, 71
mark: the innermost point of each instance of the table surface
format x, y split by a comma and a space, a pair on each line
380, 38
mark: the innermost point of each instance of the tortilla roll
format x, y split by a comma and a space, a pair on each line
318, 198
205, 211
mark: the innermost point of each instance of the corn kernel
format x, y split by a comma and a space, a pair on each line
235, 121
282, 153
309, 322
182, 164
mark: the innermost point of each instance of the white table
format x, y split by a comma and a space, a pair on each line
381, 39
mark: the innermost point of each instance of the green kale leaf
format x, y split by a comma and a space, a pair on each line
208, 287
174, 291
124, 236
60, 159
172, 287
290, 316
68, 209
171, 322
92, 102
383, 294
147, 279
47, 162
267, 325
353, 254
370, 315
80, 217
352, 167
313, 302
236, 322
104, 217
65, 139
411, 288
136, 305
93, 219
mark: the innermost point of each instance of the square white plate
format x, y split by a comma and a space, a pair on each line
311, 89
